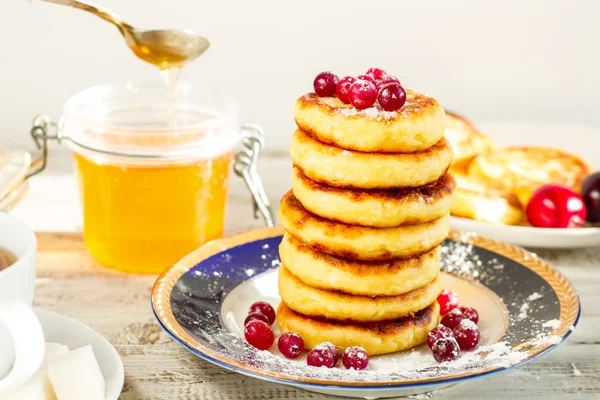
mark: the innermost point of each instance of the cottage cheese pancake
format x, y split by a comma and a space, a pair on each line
418, 125
466, 140
374, 278
483, 201
359, 242
376, 338
339, 306
377, 208
530, 167
335, 166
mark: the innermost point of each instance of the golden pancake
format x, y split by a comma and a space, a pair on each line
418, 125
359, 242
343, 168
366, 278
482, 201
530, 167
376, 338
377, 207
345, 307
466, 140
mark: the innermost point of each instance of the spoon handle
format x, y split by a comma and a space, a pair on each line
98, 11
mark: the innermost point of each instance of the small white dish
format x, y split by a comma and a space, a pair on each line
527, 236
579, 140
73, 334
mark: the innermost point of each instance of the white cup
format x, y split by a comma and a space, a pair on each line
21, 335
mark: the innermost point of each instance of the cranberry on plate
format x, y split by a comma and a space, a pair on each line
467, 335
290, 344
321, 356
556, 206
256, 316
470, 313
448, 301
259, 334
355, 358
264, 308
437, 333
453, 318
445, 349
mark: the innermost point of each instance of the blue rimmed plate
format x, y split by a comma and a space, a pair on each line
526, 308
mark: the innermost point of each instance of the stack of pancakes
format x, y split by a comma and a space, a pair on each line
368, 210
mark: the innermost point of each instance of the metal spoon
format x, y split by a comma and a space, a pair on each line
163, 48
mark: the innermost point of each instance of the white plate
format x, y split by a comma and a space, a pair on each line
73, 334
580, 140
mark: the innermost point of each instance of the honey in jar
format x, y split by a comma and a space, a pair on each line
153, 179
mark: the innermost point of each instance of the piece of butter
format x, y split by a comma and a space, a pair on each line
76, 375
52, 350
38, 387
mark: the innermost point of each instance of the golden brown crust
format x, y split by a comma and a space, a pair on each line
376, 207
530, 167
367, 278
339, 306
466, 140
440, 189
376, 338
337, 167
358, 242
420, 318
416, 126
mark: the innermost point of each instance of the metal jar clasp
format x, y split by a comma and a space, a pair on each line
245, 165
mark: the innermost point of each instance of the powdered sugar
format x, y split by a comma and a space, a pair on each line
552, 324
375, 113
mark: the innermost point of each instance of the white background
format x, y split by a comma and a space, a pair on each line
491, 60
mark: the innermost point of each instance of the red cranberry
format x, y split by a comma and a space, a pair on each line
290, 344
448, 301
377, 73
445, 349
320, 356
590, 190
324, 84
264, 308
259, 334
438, 332
391, 97
387, 79
355, 358
343, 87
453, 318
555, 206
467, 335
367, 78
470, 313
256, 316
334, 350
362, 94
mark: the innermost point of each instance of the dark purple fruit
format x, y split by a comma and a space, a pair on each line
590, 191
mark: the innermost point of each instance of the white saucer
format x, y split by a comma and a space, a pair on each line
60, 329
579, 140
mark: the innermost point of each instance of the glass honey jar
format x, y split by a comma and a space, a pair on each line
153, 174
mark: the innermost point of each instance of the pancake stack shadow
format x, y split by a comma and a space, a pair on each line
368, 209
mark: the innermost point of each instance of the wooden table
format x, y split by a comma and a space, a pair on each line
118, 306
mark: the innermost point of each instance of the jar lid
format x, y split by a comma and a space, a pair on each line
14, 165
141, 121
